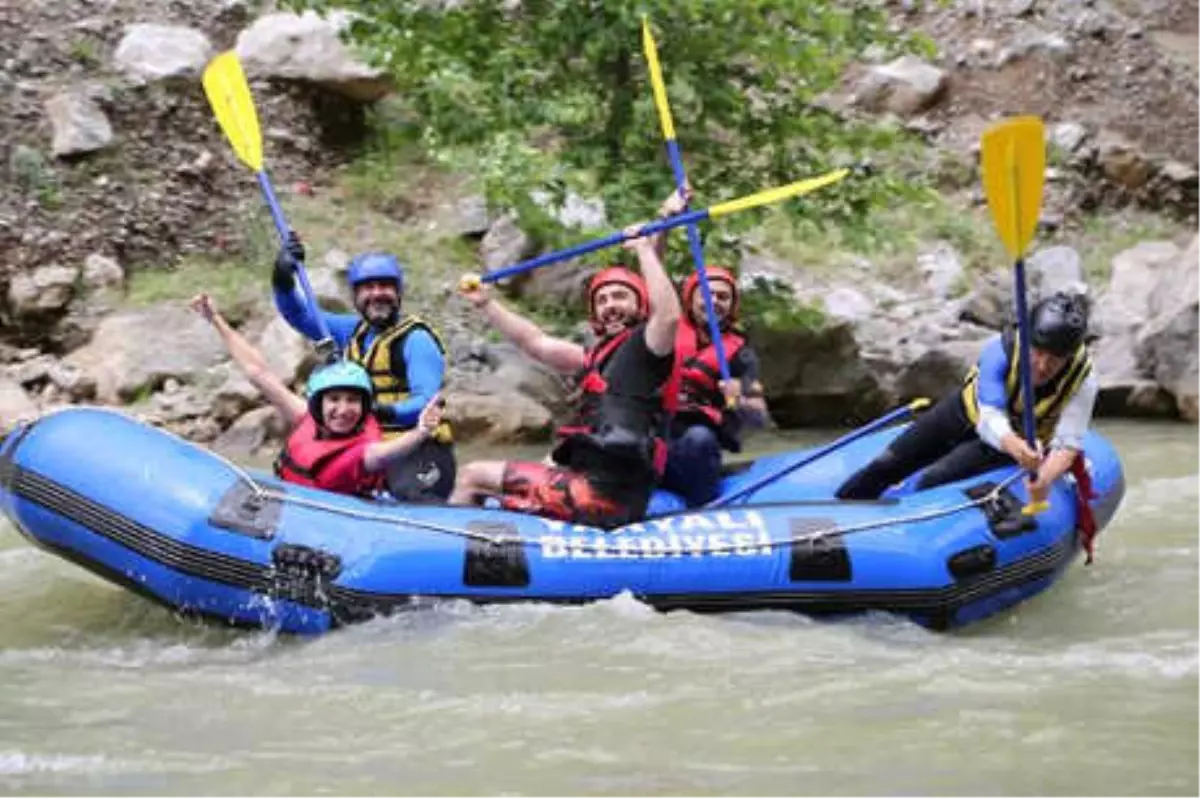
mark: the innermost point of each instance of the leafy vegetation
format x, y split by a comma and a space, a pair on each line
553, 96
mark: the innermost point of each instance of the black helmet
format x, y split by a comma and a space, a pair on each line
1058, 324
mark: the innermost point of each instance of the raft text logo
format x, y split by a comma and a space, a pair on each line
722, 534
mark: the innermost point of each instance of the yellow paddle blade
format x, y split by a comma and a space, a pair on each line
1013, 159
656, 81
229, 95
797, 189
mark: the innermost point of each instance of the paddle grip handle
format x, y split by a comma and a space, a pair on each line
829, 448
281, 227
691, 217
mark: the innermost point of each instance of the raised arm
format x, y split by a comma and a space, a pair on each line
252, 363
562, 356
381, 454
290, 303
664, 302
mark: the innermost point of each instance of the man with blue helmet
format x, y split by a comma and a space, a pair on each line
335, 443
403, 355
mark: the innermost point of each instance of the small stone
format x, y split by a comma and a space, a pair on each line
78, 123
101, 271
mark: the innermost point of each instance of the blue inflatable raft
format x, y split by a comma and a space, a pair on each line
180, 525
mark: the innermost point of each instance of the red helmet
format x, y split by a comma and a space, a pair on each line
617, 275
714, 273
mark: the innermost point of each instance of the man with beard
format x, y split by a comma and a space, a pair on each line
610, 455
403, 355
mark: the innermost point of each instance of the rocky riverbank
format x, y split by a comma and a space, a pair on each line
119, 176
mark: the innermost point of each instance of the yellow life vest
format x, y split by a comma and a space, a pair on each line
391, 380
1049, 398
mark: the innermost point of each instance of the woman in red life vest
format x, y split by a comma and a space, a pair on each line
335, 442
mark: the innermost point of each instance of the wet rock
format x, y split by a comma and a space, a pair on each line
504, 244
1054, 269
149, 52
1123, 162
1068, 136
15, 405
331, 289
905, 86
79, 125
101, 271
816, 377
307, 47
497, 417
134, 352
72, 381
561, 286
180, 403
575, 211
43, 291
942, 268
990, 301
254, 433
1167, 344
470, 216
1119, 315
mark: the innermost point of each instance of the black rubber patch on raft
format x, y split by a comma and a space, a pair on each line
972, 562
246, 511
495, 563
818, 557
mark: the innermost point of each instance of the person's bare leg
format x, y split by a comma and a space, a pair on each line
478, 480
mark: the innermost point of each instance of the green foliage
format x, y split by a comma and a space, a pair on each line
554, 95
35, 177
86, 52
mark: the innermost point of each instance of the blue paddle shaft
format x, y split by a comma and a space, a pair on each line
1026, 370
691, 217
829, 448
693, 234
281, 226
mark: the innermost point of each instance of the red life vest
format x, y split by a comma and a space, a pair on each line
592, 386
695, 382
332, 464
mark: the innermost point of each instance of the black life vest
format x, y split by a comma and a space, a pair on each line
590, 427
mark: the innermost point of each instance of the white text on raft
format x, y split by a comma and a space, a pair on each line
722, 534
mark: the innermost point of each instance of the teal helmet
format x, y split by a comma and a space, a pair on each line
344, 375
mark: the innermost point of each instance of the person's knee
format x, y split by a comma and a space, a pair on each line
872, 479
479, 476
698, 442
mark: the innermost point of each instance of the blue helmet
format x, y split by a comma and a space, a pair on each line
343, 375
375, 266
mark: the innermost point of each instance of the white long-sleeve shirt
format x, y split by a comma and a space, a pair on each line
1070, 430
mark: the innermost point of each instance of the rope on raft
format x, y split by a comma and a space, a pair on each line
264, 494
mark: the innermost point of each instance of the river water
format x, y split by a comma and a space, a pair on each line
1089, 689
